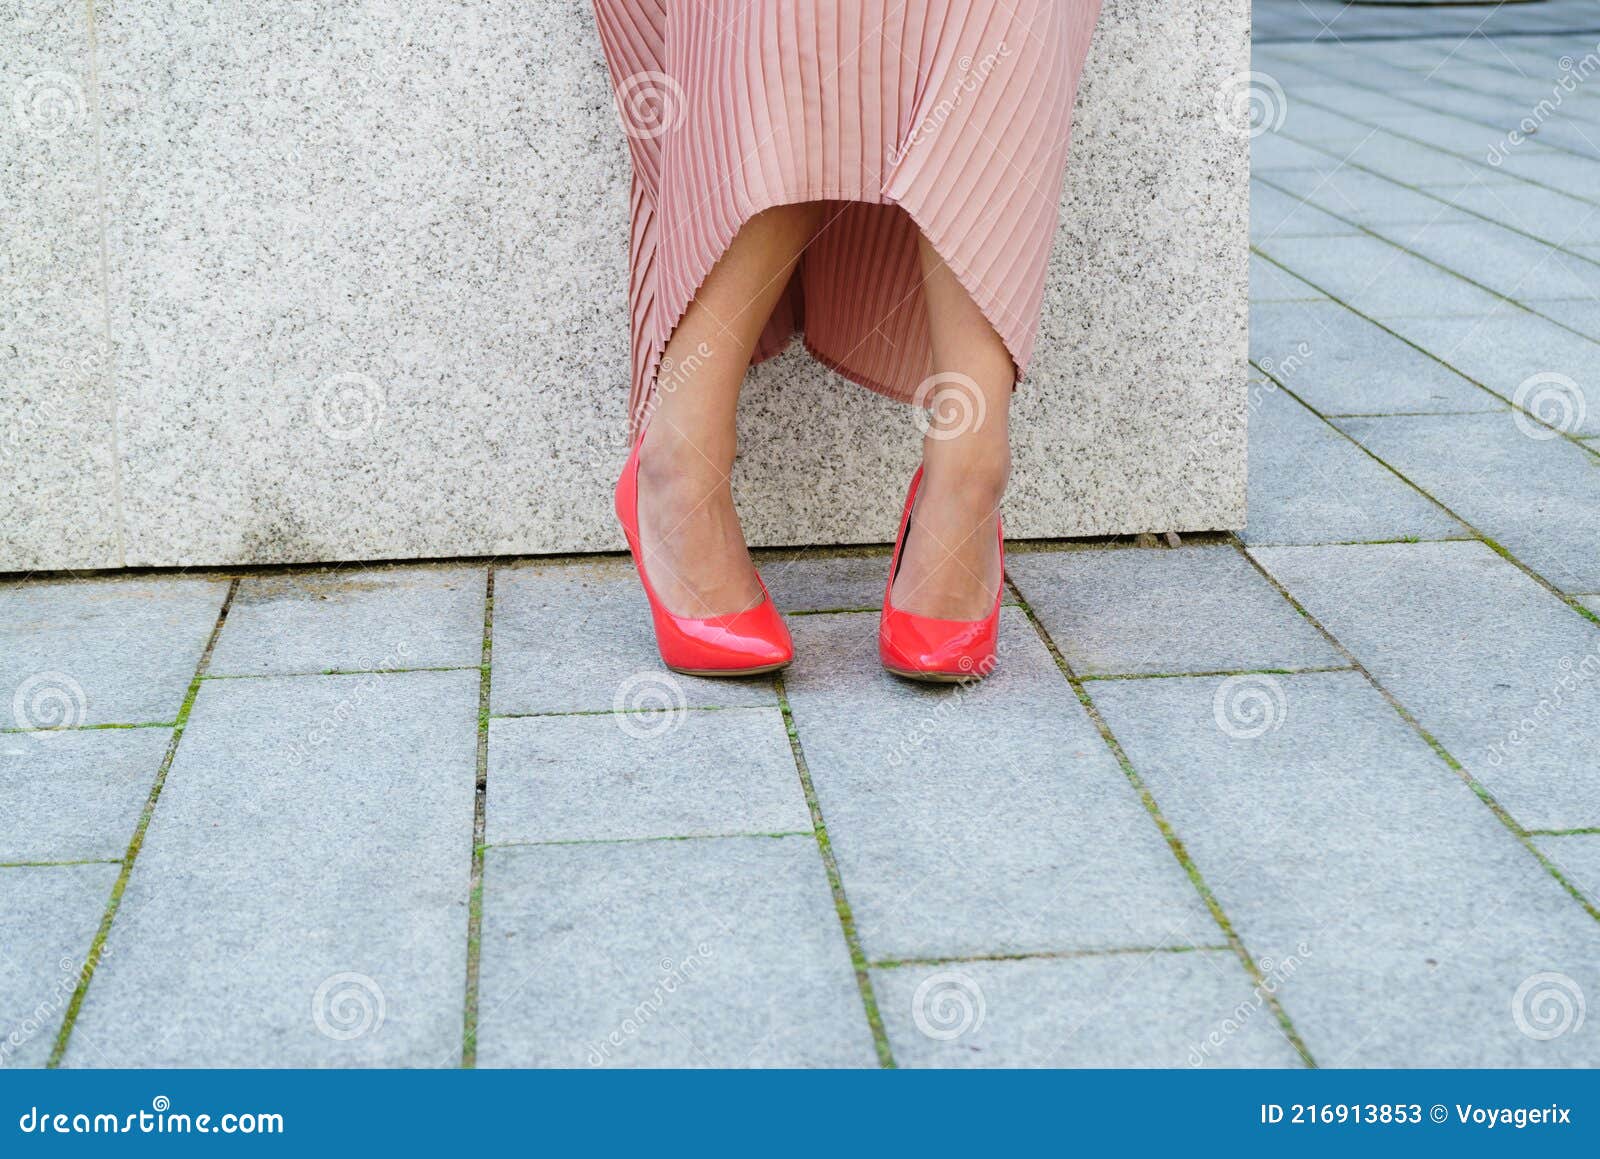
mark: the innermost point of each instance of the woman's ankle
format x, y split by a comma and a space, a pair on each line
969, 477
670, 459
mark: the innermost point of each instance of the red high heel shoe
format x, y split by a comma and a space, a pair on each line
940, 651
736, 644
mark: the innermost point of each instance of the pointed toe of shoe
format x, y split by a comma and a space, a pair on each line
921, 648
741, 644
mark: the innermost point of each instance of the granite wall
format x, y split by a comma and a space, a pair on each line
334, 280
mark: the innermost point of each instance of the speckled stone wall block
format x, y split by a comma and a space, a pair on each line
58, 504
364, 282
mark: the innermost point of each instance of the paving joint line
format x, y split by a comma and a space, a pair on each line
1369, 542
1581, 831
90, 727
674, 710
469, 1013
136, 842
1174, 842
841, 903
1044, 956
779, 833
339, 672
59, 864
1110, 676
1407, 37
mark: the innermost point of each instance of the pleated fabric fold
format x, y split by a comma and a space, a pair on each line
948, 117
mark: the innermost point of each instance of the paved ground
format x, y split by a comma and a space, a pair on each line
1324, 793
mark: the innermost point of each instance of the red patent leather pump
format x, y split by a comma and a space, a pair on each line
923, 648
736, 644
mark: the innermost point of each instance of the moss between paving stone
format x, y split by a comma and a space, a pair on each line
97, 947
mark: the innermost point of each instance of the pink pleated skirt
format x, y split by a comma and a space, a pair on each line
948, 116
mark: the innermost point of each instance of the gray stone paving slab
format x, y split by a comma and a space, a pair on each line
1310, 484
111, 651
301, 894
1377, 278
1326, 127
1575, 134
1509, 263
1353, 102
1195, 609
1415, 164
1271, 283
1545, 213
48, 919
1494, 669
1580, 314
1491, 109
978, 820
576, 637
1577, 176
1441, 130
617, 776
1341, 363
1398, 917
1361, 197
351, 620
824, 584
1274, 213
819, 583
1590, 602
1275, 153
1510, 347
1533, 493
1114, 1010
721, 952
1577, 856
76, 795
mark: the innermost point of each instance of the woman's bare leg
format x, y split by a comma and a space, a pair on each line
950, 568
694, 550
